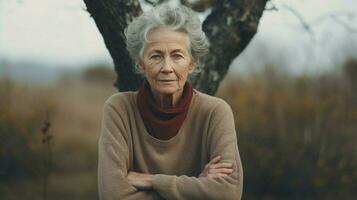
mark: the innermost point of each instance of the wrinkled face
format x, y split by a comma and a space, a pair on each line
166, 61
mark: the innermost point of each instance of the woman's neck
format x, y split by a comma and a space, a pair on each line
166, 101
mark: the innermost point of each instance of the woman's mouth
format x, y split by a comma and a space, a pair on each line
167, 80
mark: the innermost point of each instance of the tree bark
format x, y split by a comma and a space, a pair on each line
111, 18
229, 28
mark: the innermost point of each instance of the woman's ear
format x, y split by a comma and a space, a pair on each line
191, 67
141, 66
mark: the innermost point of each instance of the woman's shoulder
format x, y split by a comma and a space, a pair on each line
121, 99
210, 103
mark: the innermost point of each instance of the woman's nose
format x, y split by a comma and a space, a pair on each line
168, 66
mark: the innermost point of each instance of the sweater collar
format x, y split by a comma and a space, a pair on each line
163, 123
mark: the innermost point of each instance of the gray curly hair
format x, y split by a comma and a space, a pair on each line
179, 18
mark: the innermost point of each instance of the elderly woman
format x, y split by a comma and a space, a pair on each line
168, 140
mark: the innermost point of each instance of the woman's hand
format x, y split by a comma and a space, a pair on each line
216, 169
140, 180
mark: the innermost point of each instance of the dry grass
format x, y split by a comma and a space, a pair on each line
75, 108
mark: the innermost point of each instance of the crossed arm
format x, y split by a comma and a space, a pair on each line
220, 179
213, 169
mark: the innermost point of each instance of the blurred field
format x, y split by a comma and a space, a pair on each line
297, 135
74, 105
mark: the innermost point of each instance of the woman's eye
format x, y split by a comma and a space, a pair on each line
155, 57
177, 56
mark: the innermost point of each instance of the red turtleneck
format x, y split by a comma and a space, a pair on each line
163, 123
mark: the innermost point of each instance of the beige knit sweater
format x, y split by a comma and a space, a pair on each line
125, 145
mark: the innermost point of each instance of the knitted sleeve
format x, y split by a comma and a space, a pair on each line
114, 160
222, 140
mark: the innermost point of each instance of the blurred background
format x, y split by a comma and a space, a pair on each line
293, 92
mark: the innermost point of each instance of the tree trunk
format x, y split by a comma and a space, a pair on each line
112, 17
229, 28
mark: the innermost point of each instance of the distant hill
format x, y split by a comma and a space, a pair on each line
27, 71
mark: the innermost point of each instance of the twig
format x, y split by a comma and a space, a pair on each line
47, 157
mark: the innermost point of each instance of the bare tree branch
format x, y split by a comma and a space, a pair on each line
344, 24
336, 16
306, 26
332, 15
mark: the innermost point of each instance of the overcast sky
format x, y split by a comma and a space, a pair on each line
282, 41
61, 32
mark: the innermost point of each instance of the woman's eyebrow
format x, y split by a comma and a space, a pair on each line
155, 51
159, 51
177, 51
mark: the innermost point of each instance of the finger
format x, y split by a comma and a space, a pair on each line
221, 165
129, 175
217, 175
220, 170
214, 160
